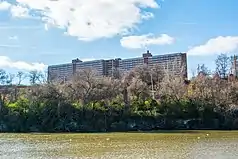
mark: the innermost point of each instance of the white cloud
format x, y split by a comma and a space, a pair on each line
16, 46
220, 44
46, 27
91, 19
6, 62
13, 37
20, 27
136, 42
87, 59
4, 5
19, 11
9, 46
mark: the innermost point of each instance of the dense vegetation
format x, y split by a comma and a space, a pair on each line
89, 103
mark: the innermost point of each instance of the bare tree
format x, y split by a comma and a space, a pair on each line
125, 83
222, 65
193, 73
138, 89
143, 73
158, 73
42, 77
107, 88
83, 84
173, 88
45, 77
203, 69
11, 78
35, 76
21, 76
211, 92
3, 77
200, 88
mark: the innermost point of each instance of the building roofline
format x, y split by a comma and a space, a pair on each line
92, 61
134, 58
169, 54
57, 65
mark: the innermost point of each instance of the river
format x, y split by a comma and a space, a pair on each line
159, 145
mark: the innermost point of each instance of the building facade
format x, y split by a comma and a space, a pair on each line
234, 65
174, 63
61, 72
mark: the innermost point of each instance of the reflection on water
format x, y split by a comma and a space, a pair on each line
215, 149
15, 148
218, 145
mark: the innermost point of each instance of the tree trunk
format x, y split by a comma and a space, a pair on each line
58, 109
126, 101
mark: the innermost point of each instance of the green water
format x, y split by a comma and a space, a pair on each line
190, 145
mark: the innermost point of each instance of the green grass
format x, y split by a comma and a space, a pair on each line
166, 144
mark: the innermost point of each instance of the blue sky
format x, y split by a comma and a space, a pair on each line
34, 34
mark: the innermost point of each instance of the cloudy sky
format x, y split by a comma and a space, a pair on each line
37, 33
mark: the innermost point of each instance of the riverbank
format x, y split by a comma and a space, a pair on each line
110, 124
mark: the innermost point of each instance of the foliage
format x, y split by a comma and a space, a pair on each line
89, 103
222, 65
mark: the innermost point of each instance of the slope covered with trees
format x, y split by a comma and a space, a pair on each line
89, 103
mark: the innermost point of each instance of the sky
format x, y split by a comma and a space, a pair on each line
38, 33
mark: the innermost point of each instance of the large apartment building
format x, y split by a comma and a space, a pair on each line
234, 65
175, 63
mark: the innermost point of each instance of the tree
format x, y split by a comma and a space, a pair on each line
21, 76
83, 84
107, 89
45, 77
158, 73
143, 73
222, 65
5, 80
203, 69
3, 77
125, 83
138, 89
173, 88
10, 78
146, 77
35, 76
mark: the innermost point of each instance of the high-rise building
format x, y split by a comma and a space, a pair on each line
173, 63
234, 66
111, 66
61, 72
97, 65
